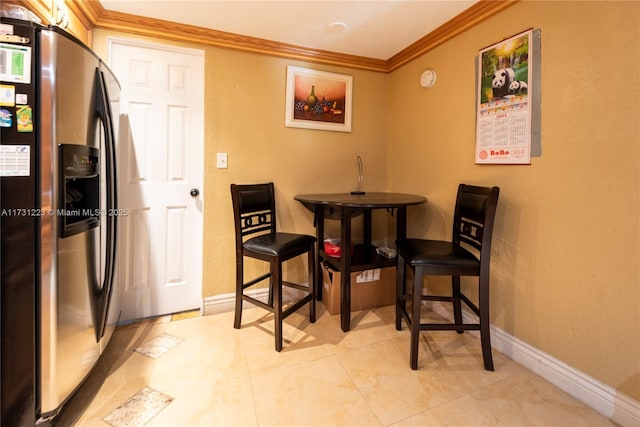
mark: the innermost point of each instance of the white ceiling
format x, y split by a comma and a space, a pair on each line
374, 28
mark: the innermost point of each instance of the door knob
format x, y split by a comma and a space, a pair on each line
194, 192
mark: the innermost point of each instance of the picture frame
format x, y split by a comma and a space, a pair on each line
318, 100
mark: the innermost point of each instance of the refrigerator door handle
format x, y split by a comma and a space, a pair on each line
112, 197
112, 201
102, 295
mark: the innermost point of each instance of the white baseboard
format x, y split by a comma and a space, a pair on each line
226, 302
602, 398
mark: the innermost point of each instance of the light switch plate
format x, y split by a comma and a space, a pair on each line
221, 161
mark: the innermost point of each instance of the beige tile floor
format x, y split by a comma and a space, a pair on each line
215, 375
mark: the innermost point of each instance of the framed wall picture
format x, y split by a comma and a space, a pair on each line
318, 100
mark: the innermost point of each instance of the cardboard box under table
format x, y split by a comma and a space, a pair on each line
369, 288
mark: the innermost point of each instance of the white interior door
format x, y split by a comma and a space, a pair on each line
160, 157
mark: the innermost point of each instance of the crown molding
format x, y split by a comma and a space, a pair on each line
92, 14
150, 27
467, 19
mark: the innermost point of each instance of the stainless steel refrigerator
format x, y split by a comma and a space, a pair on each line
58, 223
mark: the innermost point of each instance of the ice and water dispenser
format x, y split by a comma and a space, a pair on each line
80, 195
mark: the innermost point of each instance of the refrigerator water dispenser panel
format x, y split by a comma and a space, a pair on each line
80, 180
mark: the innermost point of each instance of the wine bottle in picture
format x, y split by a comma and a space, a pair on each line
312, 99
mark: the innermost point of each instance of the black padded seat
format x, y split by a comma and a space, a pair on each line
279, 243
439, 254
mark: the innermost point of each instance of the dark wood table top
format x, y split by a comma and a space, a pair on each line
371, 200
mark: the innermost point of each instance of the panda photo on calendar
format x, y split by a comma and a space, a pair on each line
505, 71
